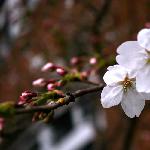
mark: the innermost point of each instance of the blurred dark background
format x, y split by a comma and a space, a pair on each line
33, 32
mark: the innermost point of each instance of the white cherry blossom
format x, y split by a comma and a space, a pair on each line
120, 88
136, 55
143, 38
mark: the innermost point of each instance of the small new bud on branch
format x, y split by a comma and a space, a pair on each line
61, 71
60, 102
48, 67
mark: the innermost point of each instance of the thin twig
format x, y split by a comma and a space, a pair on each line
99, 18
102, 13
66, 100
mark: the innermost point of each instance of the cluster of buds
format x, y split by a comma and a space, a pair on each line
76, 62
48, 84
47, 98
52, 67
52, 83
25, 97
54, 94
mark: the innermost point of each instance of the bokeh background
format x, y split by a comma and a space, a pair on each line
33, 32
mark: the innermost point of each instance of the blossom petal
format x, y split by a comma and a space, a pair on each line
114, 74
132, 103
129, 48
131, 55
111, 96
143, 79
146, 95
131, 62
143, 38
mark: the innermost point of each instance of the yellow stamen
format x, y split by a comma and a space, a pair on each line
127, 83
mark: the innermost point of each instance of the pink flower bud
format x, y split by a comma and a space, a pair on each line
49, 66
61, 71
74, 60
28, 94
39, 82
93, 61
25, 97
22, 100
51, 86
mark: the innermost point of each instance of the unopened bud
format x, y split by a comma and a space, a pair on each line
74, 60
93, 61
39, 82
28, 94
51, 86
48, 67
21, 100
25, 97
61, 71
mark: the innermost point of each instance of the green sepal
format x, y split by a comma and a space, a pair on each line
72, 77
46, 97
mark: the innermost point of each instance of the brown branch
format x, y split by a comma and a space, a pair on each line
65, 101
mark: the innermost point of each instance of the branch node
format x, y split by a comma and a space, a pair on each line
70, 96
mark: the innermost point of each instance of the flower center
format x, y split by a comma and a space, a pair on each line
127, 83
